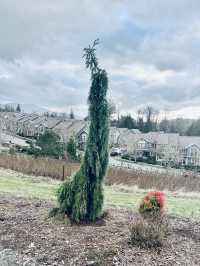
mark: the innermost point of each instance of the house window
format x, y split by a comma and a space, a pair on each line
83, 137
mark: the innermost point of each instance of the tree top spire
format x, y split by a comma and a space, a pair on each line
91, 60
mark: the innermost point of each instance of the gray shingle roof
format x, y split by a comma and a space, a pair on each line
187, 140
69, 128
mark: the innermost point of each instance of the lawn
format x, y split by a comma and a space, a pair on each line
179, 203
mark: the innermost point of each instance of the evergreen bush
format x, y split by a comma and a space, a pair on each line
81, 198
149, 233
71, 149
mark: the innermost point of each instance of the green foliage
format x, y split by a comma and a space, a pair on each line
30, 150
192, 168
7, 108
18, 109
124, 121
71, 149
127, 121
151, 160
150, 119
47, 145
12, 150
50, 145
71, 115
82, 197
164, 125
126, 156
194, 129
141, 124
178, 125
147, 120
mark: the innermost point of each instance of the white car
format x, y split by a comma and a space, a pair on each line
115, 152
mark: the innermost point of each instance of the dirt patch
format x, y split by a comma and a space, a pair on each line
26, 234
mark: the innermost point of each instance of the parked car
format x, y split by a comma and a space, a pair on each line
115, 152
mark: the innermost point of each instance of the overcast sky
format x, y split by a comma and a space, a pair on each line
150, 49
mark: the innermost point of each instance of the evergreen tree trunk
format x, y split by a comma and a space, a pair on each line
82, 197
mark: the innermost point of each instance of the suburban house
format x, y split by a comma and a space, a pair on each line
77, 129
122, 137
32, 125
144, 148
162, 147
190, 155
81, 137
166, 148
190, 151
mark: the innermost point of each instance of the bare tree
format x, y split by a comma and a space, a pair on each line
112, 108
140, 119
151, 118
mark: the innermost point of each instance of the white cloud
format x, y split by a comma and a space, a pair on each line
142, 72
149, 48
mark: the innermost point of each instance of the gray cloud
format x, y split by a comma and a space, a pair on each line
149, 48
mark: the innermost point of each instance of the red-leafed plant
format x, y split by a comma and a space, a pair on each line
152, 204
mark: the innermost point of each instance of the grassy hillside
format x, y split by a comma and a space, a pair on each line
19, 185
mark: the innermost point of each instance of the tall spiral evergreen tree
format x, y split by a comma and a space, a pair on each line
82, 197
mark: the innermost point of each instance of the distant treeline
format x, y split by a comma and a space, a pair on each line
10, 108
148, 120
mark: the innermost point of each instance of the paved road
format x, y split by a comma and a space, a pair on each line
115, 161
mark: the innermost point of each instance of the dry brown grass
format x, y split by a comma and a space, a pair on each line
142, 179
149, 180
149, 233
38, 167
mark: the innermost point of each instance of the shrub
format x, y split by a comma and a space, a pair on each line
125, 156
151, 160
149, 233
71, 149
150, 230
49, 145
12, 150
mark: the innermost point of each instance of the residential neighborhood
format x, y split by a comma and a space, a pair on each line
30, 126
163, 148
167, 149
